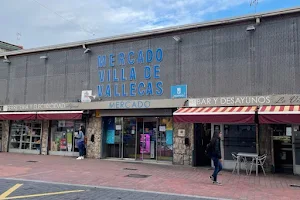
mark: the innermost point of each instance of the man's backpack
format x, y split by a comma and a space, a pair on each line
209, 149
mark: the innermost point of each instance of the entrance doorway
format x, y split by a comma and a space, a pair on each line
282, 148
202, 136
296, 148
139, 138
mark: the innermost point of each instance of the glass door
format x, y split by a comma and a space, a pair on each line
129, 137
148, 140
165, 139
296, 148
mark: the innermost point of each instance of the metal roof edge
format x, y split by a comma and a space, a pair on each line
154, 32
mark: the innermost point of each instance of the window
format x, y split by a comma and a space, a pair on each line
239, 138
63, 134
25, 135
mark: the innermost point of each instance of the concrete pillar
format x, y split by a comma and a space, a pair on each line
94, 148
182, 154
44, 139
5, 136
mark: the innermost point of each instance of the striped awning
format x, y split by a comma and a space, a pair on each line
243, 114
279, 114
17, 115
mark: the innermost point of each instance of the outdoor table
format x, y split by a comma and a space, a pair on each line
247, 155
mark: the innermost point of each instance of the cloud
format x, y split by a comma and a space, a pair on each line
43, 22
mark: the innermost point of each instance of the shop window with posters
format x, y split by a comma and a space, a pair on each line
25, 136
62, 138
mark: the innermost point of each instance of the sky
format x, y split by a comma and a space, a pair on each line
36, 23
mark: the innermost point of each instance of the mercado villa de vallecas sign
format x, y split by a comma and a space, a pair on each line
118, 74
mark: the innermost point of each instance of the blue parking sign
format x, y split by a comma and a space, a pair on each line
178, 91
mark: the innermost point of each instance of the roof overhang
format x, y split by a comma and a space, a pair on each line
155, 32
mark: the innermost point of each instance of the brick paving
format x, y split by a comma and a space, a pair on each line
163, 178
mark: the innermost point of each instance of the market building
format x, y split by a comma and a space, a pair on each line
158, 96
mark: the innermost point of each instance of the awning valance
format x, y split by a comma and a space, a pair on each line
279, 115
216, 115
17, 115
62, 115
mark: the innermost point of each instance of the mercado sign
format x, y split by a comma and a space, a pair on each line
118, 75
246, 100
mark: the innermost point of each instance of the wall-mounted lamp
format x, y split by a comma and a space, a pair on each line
86, 50
177, 38
44, 57
92, 97
257, 20
250, 28
5, 60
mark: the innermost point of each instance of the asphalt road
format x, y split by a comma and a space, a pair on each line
14, 189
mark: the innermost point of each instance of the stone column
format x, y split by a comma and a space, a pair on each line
44, 138
265, 146
5, 136
94, 148
182, 154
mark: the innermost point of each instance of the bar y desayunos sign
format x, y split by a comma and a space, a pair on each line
246, 100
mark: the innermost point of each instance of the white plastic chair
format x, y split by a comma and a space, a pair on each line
260, 162
242, 160
234, 157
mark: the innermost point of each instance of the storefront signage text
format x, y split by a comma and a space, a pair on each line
246, 101
118, 77
129, 104
50, 106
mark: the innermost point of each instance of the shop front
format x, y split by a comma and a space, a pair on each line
37, 132
282, 125
25, 136
62, 138
237, 124
145, 136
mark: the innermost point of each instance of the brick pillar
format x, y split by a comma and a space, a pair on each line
45, 132
5, 136
94, 127
182, 154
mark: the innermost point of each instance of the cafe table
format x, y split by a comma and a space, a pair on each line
241, 155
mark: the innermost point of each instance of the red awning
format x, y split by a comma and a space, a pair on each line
240, 115
279, 115
63, 115
17, 115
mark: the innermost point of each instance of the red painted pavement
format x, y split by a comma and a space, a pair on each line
170, 179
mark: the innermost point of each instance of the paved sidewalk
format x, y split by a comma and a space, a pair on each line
167, 179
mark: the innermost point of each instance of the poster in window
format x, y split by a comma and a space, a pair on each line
110, 136
288, 131
162, 128
61, 123
118, 127
169, 137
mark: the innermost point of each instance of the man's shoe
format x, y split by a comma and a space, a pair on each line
211, 178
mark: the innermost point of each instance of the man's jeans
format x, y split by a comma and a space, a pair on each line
218, 167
